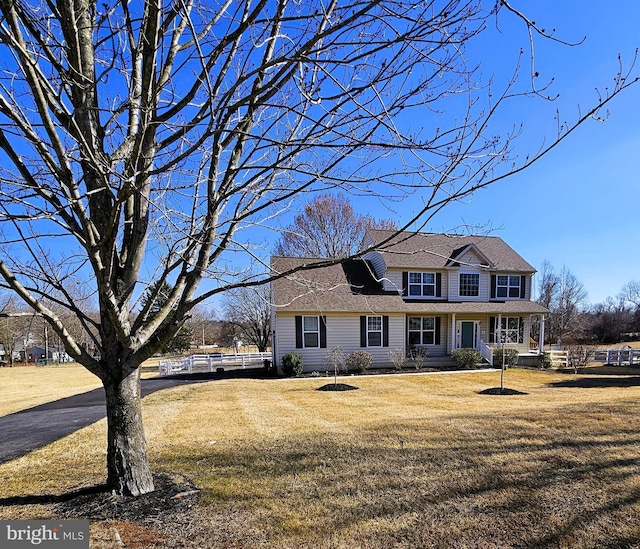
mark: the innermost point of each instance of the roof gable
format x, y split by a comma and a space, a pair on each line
408, 250
469, 255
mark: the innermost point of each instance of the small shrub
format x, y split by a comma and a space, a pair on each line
398, 358
510, 357
579, 357
545, 360
419, 355
359, 361
292, 364
466, 358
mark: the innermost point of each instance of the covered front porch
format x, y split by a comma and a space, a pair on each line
483, 331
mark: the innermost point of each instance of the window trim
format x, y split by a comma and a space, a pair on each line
364, 331
477, 284
371, 331
519, 330
422, 284
315, 332
435, 331
509, 287
301, 332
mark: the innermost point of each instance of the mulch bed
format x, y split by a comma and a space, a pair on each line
337, 387
173, 494
499, 391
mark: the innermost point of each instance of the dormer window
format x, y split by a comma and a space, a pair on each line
507, 286
422, 284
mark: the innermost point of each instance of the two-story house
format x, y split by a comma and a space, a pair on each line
437, 291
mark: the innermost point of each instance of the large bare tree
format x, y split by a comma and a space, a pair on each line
249, 309
328, 227
565, 297
139, 139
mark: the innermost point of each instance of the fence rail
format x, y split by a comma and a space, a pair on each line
617, 356
560, 358
212, 362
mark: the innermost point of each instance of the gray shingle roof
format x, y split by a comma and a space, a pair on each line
351, 287
436, 251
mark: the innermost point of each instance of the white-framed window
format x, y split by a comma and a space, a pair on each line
510, 329
422, 330
311, 331
374, 331
507, 286
422, 284
469, 284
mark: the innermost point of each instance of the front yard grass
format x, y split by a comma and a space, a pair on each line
405, 461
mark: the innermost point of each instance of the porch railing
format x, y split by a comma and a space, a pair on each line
487, 352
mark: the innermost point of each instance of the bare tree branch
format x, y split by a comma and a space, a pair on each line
155, 143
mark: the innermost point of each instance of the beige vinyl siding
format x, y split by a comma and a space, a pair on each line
470, 260
454, 285
469, 263
393, 281
343, 331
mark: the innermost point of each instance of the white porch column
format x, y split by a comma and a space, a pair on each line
453, 331
541, 337
499, 330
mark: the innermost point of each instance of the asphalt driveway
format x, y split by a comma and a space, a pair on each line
28, 430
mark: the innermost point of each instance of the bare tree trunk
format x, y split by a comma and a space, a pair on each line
127, 464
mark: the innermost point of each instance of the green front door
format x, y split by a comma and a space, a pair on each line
467, 335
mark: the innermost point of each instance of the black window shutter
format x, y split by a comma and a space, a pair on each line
492, 329
363, 331
437, 334
323, 332
298, 332
438, 284
385, 331
493, 286
405, 283
523, 283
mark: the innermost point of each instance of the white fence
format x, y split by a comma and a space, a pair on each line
617, 356
560, 359
211, 363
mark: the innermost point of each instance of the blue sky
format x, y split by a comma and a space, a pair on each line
578, 207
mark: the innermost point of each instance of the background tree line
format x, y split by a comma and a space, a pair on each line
328, 226
572, 319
